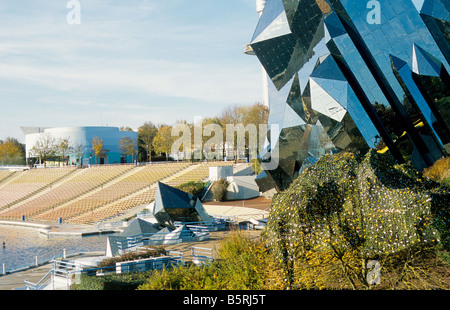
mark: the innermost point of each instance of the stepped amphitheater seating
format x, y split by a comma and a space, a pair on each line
22, 184
90, 195
4, 174
200, 173
140, 178
80, 182
115, 208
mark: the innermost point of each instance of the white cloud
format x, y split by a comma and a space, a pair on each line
227, 83
125, 56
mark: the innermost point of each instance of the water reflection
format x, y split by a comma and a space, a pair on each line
22, 245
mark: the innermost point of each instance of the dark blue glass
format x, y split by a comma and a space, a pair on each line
349, 76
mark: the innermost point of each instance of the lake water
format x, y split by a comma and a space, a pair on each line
22, 245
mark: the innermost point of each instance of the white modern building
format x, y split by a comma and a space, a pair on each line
80, 142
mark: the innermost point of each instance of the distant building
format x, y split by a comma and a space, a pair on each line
81, 142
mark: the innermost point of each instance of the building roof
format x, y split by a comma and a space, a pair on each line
139, 227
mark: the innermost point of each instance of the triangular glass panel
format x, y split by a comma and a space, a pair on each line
275, 55
279, 27
397, 62
424, 63
322, 102
272, 11
334, 26
334, 88
328, 69
291, 118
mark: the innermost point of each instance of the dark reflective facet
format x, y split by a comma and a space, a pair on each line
349, 76
173, 205
419, 110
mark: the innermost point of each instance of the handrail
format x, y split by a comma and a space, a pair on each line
172, 259
136, 240
58, 268
35, 286
202, 255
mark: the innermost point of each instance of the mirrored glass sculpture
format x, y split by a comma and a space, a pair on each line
354, 75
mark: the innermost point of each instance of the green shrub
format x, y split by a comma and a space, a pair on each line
349, 210
440, 171
219, 189
192, 187
127, 281
88, 283
243, 264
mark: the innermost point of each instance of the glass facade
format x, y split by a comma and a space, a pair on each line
354, 75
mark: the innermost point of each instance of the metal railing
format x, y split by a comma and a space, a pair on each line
152, 263
132, 243
61, 270
43, 283
202, 255
64, 273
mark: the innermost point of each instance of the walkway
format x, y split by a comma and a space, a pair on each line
16, 280
257, 208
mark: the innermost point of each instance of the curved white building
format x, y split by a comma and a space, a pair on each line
81, 142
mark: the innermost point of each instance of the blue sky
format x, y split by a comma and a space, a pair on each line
128, 62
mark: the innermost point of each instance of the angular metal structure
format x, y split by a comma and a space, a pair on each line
354, 75
173, 205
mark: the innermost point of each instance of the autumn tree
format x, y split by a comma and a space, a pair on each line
63, 147
45, 147
12, 152
128, 146
251, 120
146, 134
98, 148
163, 140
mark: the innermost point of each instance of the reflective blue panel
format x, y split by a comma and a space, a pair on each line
346, 47
342, 93
439, 9
348, 76
424, 63
362, 120
405, 74
392, 37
